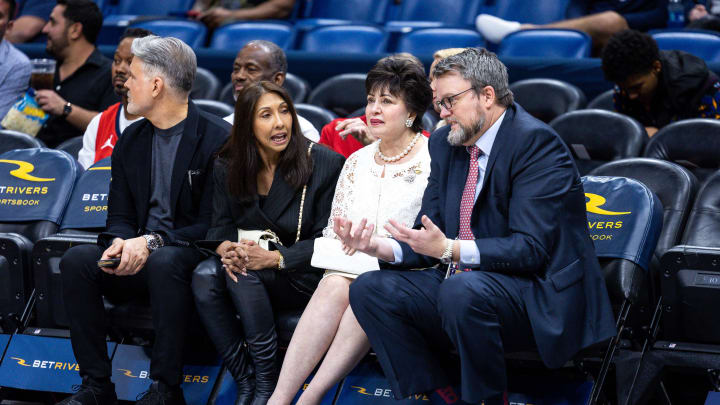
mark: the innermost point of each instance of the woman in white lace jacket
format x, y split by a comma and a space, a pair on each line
384, 180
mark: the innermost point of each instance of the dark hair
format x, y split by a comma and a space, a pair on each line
11, 8
135, 33
278, 61
404, 77
86, 13
628, 53
241, 151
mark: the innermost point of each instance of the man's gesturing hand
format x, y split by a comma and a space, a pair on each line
134, 255
428, 241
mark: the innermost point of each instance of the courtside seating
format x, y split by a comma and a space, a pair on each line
192, 33
341, 94
206, 85
318, 116
603, 101
705, 45
83, 219
424, 43
10, 140
693, 143
35, 187
345, 39
215, 107
233, 37
674, 185
450, 13
598, 136
624, 221
546, 43
546, 99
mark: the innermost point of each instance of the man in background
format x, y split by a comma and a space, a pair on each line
14, 65
31, 18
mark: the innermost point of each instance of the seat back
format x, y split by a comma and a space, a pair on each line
597, 136
87, 208
318, 116
297, 87
693, 143
603, 101
215, 107
233, 37
206, 85
546, 43
424, 43
705, 45
674, 185
452, 12
10, 140
624, 222
546, 99
226, 95
149, 8
341, 94
345, 39
703, 224
72, 146
528, 11
191, 32
350, 10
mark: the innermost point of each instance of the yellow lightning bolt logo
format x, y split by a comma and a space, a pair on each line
360, 390
20, 361
100, 168
595, 202
23, 170
127, 372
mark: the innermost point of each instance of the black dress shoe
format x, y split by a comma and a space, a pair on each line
92, 393
162, 394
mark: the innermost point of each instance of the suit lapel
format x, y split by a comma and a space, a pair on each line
141, 158
184, 155
281, 194
497, 149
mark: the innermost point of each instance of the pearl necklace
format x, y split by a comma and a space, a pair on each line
402, 154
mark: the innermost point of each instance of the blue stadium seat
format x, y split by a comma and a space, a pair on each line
232, 37
345, 39
705, 45
150, 8
546, 99
418, 14
333, 12
206, 85
215, 107
546, 43
72, 146
17, 140
528, 11
423, 43
603, 101
191, 32
318, 116
341, 94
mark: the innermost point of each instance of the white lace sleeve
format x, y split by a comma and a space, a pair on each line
343, 198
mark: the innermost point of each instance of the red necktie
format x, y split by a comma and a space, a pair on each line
468, 196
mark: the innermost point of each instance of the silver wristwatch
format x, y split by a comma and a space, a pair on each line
447, 255
154, 241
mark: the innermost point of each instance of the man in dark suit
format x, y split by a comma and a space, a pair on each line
160, 201
503, 216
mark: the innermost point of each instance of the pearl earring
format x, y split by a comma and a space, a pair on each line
409, 122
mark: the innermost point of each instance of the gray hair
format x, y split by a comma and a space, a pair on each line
481, 68
168, 57
278, 61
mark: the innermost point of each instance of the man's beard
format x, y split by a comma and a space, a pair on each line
462, 134
55, 48
120, 90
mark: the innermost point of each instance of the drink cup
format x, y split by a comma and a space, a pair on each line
43, 74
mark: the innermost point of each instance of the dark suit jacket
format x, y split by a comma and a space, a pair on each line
529, 221
191, 185
280, 214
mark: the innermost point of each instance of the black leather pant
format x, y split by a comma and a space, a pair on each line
253, 300
165, 278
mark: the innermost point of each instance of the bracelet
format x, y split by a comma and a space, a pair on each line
281, 261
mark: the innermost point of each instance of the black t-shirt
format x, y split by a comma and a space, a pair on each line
164, 151
89, 87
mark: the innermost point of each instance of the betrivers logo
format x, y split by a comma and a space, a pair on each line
385, 392
47, 364
187, 378
23, 171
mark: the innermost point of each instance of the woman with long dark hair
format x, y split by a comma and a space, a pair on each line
272, 198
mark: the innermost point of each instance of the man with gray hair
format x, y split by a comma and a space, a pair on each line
502, 235
263, 60
160, 201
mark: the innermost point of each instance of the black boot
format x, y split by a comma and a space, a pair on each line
91, 392
162, 394
263, 350
238, 365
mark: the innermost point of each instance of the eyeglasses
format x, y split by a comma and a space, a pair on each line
447, 102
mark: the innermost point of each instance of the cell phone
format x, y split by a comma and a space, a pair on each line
109, 263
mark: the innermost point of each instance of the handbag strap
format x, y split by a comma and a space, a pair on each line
302, 202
